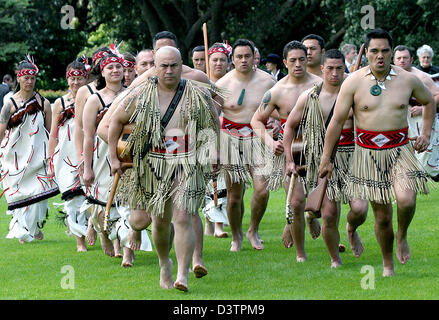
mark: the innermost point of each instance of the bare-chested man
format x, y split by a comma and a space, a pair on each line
384, 166
315, 46
247, 88
282, 97
140, 220
312, 111
172, 193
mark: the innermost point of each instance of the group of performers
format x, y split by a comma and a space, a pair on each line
194, 140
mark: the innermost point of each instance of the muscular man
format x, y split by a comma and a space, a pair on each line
282, 97
312, 111
165, 180
384, 166
242, 149
315, 46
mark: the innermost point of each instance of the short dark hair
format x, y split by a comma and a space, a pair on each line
197, 49
333, 54
315, 37
7, 77
76, 65
293, 45
243, 43
164, 35
378, 33
402, 47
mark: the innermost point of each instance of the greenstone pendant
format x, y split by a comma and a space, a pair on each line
241, 97
375, 90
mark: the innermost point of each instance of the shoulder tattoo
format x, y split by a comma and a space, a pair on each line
265, 101
5, 114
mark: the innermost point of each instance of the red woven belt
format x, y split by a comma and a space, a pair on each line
382, 140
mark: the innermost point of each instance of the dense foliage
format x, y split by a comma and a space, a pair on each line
36, 26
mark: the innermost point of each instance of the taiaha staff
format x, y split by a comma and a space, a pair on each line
315, 197
206, 57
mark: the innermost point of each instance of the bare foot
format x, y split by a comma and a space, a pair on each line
254, 240
388, 272
208, 228
287, 236
135, 239
236, 245
181, 286
219, 232
106, 244
313, 225
402, 249
355, 241
336, 263
116, 245
200, 271
301, 258
166, 280
39, 235
91, 234
80, 244
128, 257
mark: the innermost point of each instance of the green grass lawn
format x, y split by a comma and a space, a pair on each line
34, 270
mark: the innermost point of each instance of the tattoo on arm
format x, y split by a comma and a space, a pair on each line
5, 114
265, 101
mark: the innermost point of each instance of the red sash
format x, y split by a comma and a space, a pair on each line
282, 126
382, 140
237, 129
347, 137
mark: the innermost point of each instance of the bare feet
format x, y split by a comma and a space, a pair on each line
80, 244
301, 258
128, 257
335, 263
166, 280
237, 243
355, 241
39, 235
313, 225
180, 286
208, 228
106, 244
116, 245
402, 249
388, 272
91, 234
254, 240
219, 232
287, 236
199, 271
135, 239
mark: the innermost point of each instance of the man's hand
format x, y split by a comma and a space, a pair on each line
291, 169
325, 168
116, 167
416, 111
278, 147
421, 143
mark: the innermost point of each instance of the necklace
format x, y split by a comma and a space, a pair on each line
241, 97
378, 88
115, 92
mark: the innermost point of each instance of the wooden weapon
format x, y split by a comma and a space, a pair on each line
315, 197
126, 162
206, 57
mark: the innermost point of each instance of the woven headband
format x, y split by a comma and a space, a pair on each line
98, 55
109, 60
76, 73
128, 64
27, 72
218, 49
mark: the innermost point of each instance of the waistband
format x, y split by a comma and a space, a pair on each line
237, 129
347, 137
174, 145
382, 139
